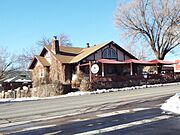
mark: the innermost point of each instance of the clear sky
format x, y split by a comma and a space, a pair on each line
24, 22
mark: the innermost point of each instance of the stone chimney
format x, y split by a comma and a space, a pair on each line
87, 45
55, 45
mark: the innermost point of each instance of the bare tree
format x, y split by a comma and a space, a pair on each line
141, 52
154, 21
7, 65
44, 41
27, 56
64, 40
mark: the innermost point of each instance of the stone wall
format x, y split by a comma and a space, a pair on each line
45, 90
49, 90
37, 79
57, 71
17, 93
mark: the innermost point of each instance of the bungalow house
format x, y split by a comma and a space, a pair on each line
59, 63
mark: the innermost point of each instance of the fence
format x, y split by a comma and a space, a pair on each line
99, 82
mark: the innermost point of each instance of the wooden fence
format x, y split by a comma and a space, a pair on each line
99, 82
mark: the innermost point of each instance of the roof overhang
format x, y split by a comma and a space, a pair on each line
108, 61
157, 61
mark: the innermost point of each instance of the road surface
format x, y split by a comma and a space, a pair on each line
60, 111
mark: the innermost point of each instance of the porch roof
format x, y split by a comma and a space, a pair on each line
157, 61
107, 61
138, 62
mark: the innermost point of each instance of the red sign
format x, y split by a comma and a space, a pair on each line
177, 66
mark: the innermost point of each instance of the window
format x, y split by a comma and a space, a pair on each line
41, 73
109, 53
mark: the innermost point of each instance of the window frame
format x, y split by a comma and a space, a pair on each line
109, 53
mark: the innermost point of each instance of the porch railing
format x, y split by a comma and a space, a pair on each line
99, 82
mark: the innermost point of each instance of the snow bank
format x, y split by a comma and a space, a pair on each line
172, 105
98, 91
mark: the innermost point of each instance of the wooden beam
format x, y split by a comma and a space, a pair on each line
102, 69
131, 68
90, 74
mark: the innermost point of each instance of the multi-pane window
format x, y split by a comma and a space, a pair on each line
109, 53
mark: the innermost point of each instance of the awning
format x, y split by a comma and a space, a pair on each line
138, 62
107, 61
85, 64
157, 61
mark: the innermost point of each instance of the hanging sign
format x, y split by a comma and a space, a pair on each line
95, 68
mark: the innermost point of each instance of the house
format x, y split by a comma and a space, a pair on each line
16, 79
104, 65
59, 63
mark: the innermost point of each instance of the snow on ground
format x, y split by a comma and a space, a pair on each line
98, 91
18, 99
172, 105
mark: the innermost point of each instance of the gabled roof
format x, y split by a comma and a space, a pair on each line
64, 58
73, 54
66, 49
88, 51
42, 60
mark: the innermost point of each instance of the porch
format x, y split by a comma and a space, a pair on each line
116, 74
106, 82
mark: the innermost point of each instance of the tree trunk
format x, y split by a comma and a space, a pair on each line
159, 68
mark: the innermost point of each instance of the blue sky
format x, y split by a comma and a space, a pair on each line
24, 22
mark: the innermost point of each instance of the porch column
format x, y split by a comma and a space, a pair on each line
78, 67
131, 69
157, 69
102, 69
90, 74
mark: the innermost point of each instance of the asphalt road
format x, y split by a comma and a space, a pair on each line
22, 113
145, 122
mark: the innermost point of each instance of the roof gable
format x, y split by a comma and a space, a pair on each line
78, 53
41, 59
88, 51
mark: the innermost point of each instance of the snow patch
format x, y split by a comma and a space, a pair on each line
81, 93
18, 99
172, 105
10, 79
23, 80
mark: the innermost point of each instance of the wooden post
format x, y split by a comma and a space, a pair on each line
78, 68
90, 74
102, 69
131, 68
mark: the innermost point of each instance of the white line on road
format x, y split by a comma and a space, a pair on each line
35, 120
117, 127
121, 112
53, 133
37, 127
72, 114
